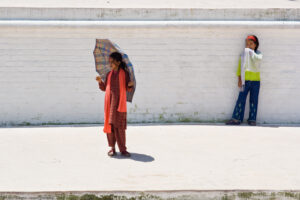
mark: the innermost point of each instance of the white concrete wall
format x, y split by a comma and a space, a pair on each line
184, 73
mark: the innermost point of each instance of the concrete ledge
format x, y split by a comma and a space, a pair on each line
269, 14
151, 4
151, 24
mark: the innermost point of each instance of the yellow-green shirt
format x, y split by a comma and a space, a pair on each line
251, 72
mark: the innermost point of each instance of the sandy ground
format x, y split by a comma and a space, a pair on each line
164, 157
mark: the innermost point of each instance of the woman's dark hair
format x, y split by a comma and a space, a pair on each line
118, 57
256, 42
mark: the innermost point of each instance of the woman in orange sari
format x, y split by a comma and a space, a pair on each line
115, 109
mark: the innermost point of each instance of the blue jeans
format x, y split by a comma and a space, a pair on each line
239, 110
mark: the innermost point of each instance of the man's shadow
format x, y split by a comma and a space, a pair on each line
136, 157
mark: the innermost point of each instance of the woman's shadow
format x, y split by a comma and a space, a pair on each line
136, 157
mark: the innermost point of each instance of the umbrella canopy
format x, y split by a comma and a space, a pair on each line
103, 49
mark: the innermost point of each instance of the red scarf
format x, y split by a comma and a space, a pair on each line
122, 102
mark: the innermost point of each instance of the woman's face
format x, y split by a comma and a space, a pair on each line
250, 44
113, 64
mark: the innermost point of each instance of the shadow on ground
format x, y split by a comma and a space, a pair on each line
136, 157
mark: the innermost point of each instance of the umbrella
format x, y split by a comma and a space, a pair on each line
103, 49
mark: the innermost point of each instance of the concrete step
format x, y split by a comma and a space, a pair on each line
144, 14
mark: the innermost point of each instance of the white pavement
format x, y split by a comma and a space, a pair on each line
165, 157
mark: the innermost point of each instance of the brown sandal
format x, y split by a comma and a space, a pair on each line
125, 154
252, 123
112, 153
233, 122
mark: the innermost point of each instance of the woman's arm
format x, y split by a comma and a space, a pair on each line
102, 85
129, 84
240, 82
238, 73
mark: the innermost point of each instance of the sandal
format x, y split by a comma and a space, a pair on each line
233, 122
125, 154
252, 123
112, 153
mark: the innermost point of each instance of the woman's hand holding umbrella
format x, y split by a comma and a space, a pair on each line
98, 78
130, 86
